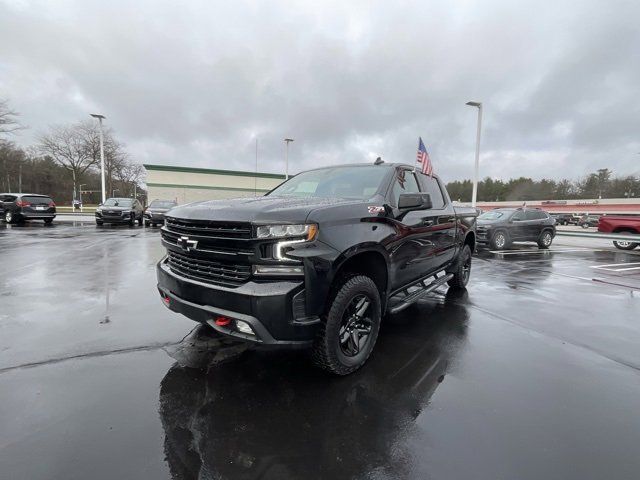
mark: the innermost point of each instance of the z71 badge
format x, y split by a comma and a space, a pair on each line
376, 209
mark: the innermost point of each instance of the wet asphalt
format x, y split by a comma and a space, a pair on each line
533, 372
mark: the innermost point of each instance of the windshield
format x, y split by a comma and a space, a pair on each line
162, 204
359, 183
491, 216
118, 202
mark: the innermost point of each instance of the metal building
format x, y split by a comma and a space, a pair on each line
187, 184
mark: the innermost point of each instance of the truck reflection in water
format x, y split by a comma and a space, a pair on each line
260, 414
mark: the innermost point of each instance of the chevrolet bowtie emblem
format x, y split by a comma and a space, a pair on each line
187, 244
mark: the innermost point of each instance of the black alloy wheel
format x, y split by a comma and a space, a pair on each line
355, 328
349, 329
463, 269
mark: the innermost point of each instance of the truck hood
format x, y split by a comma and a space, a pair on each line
269, 209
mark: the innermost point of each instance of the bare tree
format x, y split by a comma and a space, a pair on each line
8, 121
69, 146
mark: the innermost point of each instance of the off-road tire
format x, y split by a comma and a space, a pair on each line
496, 242
462, 271
327, 352
545, 239
625, 245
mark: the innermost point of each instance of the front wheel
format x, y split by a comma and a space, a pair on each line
545, 239
463, 270
499, 241
350, 328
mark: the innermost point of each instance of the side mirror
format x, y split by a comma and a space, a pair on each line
414, 201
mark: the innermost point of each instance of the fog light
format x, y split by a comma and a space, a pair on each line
278, 270
244, 327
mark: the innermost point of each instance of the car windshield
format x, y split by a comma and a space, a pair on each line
491, 216
162, 204
118, 202
353, 182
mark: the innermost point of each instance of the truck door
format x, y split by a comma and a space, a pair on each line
415, 251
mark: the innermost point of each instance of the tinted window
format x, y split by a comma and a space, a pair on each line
359, 183
491, 216
37, 200
519, 215
535, 215
430, 185
405, 182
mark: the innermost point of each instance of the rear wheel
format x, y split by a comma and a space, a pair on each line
623, 244
463, 269
350, 328
147, 223
545, 239
499, 241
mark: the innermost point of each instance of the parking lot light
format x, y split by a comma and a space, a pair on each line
474, 194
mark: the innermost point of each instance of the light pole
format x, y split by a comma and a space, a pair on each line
114, 192
287, 141
474, 195
100, 118
74, 187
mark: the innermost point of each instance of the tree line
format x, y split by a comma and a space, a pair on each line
600, 184
64, 162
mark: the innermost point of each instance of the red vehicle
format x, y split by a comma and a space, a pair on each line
615, 224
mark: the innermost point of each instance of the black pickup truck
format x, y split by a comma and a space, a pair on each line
318, 261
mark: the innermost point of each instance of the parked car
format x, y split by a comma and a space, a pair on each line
621, 224
587, 221
500, 227
119, 210
18, 207
319, 260
562, 218
154, 213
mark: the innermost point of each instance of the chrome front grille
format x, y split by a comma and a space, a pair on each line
220, 273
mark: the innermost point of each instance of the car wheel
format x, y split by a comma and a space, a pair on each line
499, 241
349, 330
140, 221
585, 225
99, 222
545, 239
623, 244
48, 221
8, 217
132, 220
463, 269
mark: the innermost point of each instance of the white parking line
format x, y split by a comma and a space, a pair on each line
627, 266
523, 252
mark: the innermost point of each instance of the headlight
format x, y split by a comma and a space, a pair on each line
307, 232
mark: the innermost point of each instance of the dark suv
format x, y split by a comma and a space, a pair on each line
18, 207
154, 214
500, 227
120, 210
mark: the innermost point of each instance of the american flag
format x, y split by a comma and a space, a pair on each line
423, 158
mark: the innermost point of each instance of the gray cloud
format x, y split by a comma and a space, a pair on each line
195, 84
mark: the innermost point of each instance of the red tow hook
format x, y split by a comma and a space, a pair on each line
223, 321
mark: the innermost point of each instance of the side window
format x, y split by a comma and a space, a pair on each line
535, 215
405, 182
518, 216
430, 185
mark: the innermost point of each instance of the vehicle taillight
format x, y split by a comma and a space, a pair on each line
52, 204
23, 204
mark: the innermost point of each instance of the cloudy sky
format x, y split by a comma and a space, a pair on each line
194, 83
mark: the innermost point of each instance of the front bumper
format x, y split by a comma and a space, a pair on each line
272, 309
154, 217
113, 219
